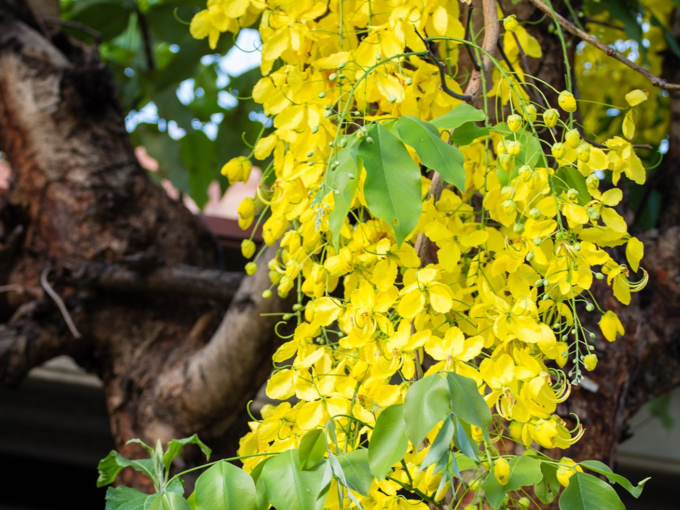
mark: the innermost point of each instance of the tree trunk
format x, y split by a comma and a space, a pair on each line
136, 273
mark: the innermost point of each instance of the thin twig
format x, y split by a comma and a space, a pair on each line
442, 70
525, 63
146, 38
607, 50
97, 36
603, 146
62, 307
604, 24
468, 47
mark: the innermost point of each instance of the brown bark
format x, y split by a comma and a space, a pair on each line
137, 271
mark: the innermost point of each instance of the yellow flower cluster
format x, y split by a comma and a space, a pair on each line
514, 254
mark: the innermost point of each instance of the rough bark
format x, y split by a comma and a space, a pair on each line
137, 272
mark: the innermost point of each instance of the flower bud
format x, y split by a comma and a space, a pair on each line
572, 138
247, 209
572, 194
590, 307
515, 122
535, 213
525, 172
510, 24
501, 470
514, 148
593, 213
593, 181
267, 294
567, 101
237, 169
248, 248
515, 430
530, 256
523, 502
583, 152
507, 162
518, 228
509, 207
530, 113
558, 150
550, 117
590, 362
251, 268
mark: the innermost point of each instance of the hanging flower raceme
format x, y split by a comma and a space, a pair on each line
433, 325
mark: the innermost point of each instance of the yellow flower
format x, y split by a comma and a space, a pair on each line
567, 101
636, 97
237, 169
501, 470
566, 470
423, 287
611, 326
590, 362
550, 117
510, 23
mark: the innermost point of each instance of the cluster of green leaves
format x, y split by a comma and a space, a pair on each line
392, 188
148, 47
300, 479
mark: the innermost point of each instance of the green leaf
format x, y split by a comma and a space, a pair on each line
169, 501
197, 152
570, 177
287, 487
467, 403
531, 154
548, 488
114, 463
587, 492
192, 501
175, 485
660, 406
109, 18
468, 133
434, 152
357, 470
461, 114
342, 180
493, 491
440, 446
523, 471
426, 403
175, 447
461, 438
257, 470
393, 186
125, 498
603, 469
262, 503
388, 443
225, 487
312, 448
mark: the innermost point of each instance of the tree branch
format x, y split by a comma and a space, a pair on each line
491, 35
26, 345
181, 280
230, 369
608, 50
